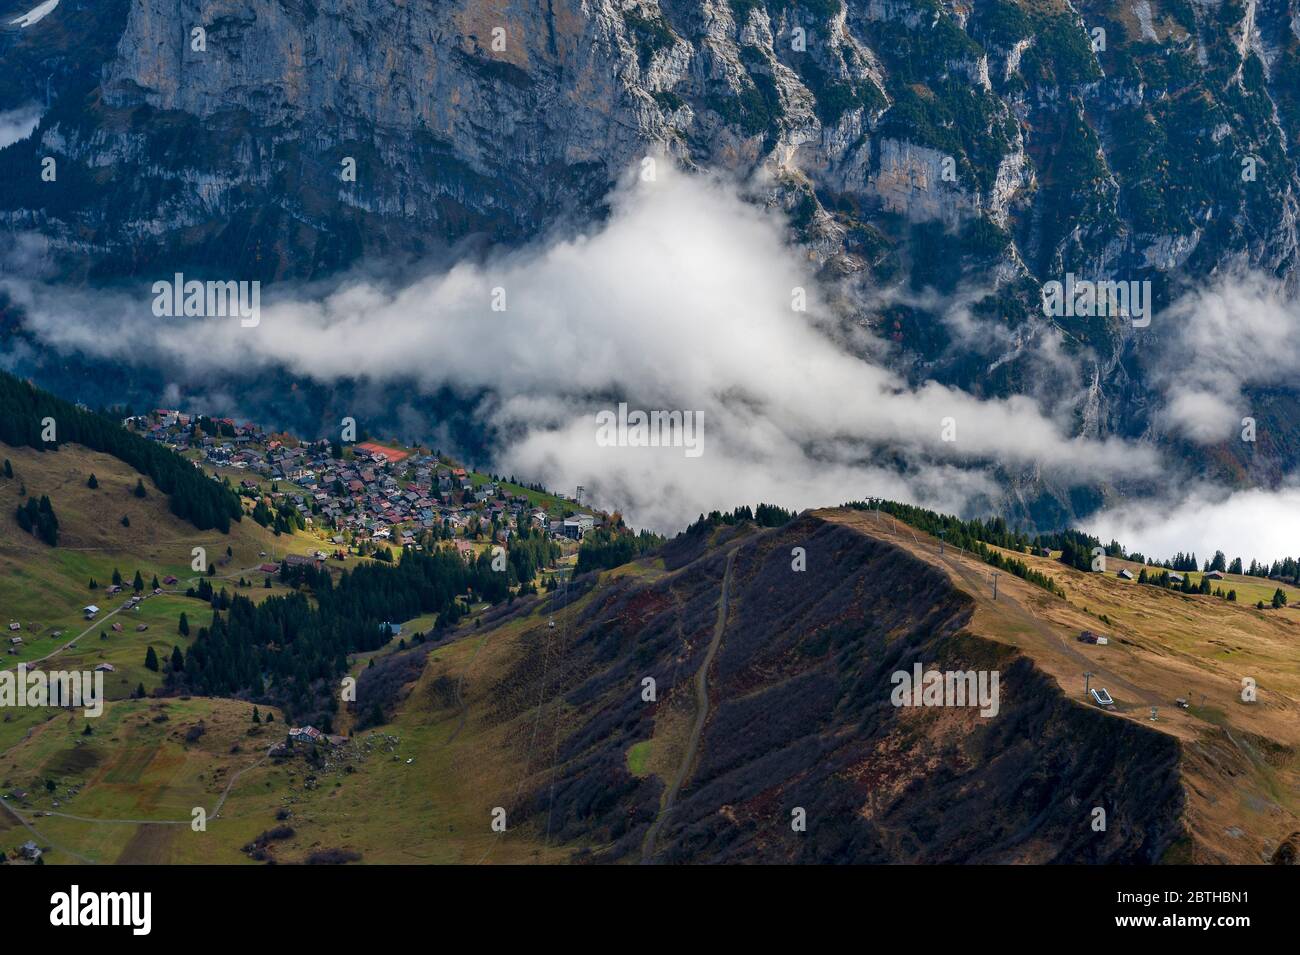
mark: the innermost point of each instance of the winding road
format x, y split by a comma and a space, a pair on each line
701, 717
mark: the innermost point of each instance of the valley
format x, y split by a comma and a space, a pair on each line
770, 696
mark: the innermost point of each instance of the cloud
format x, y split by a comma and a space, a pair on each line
1238, 332
680, 300
17, 124
1252, 524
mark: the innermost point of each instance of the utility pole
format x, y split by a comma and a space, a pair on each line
996, 575
1087, 679
580, 490
941, 534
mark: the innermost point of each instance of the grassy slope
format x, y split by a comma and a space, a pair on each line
436, 808
44, 588
1240, 758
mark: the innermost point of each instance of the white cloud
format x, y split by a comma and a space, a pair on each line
1236, 332
1252, 524
680, 301
35, 15
17, 124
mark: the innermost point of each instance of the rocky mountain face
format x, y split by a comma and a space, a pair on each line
978, 149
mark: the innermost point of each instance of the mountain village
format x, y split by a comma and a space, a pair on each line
366, 495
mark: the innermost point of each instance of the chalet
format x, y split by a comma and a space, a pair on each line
302, 560
169, 580
1125, 574
30, 851
117, 628
268, 568
16, 641
465, 549
1214, 575
106, 668
578, 525
304, 734
1175, 578
15, 626
90, 611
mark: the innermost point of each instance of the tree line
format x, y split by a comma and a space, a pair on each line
194, 497
287, 652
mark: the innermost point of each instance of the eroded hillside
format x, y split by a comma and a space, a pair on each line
796, 715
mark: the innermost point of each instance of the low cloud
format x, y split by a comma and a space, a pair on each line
1238, 332
681, 300
1252, 524
17, 124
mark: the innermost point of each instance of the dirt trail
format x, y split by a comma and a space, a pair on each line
701, 717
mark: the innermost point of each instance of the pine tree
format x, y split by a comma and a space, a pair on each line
178, 660
257, 718
138, 584
9, 469
183, 628
93, 482
139, 488
151, 660
1279, 599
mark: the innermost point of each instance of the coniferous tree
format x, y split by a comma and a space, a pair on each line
151, 660
93, 482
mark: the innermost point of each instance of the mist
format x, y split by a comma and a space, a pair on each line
689, 298
1250, 524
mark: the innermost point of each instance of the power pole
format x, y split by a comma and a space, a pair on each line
1087, 680
941, 534
995, 584
580, 490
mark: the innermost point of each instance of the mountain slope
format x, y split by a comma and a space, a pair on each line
976, 150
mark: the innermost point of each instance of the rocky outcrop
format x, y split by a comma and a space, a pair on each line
232, 149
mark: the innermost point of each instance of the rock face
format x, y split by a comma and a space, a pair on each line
991, 146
